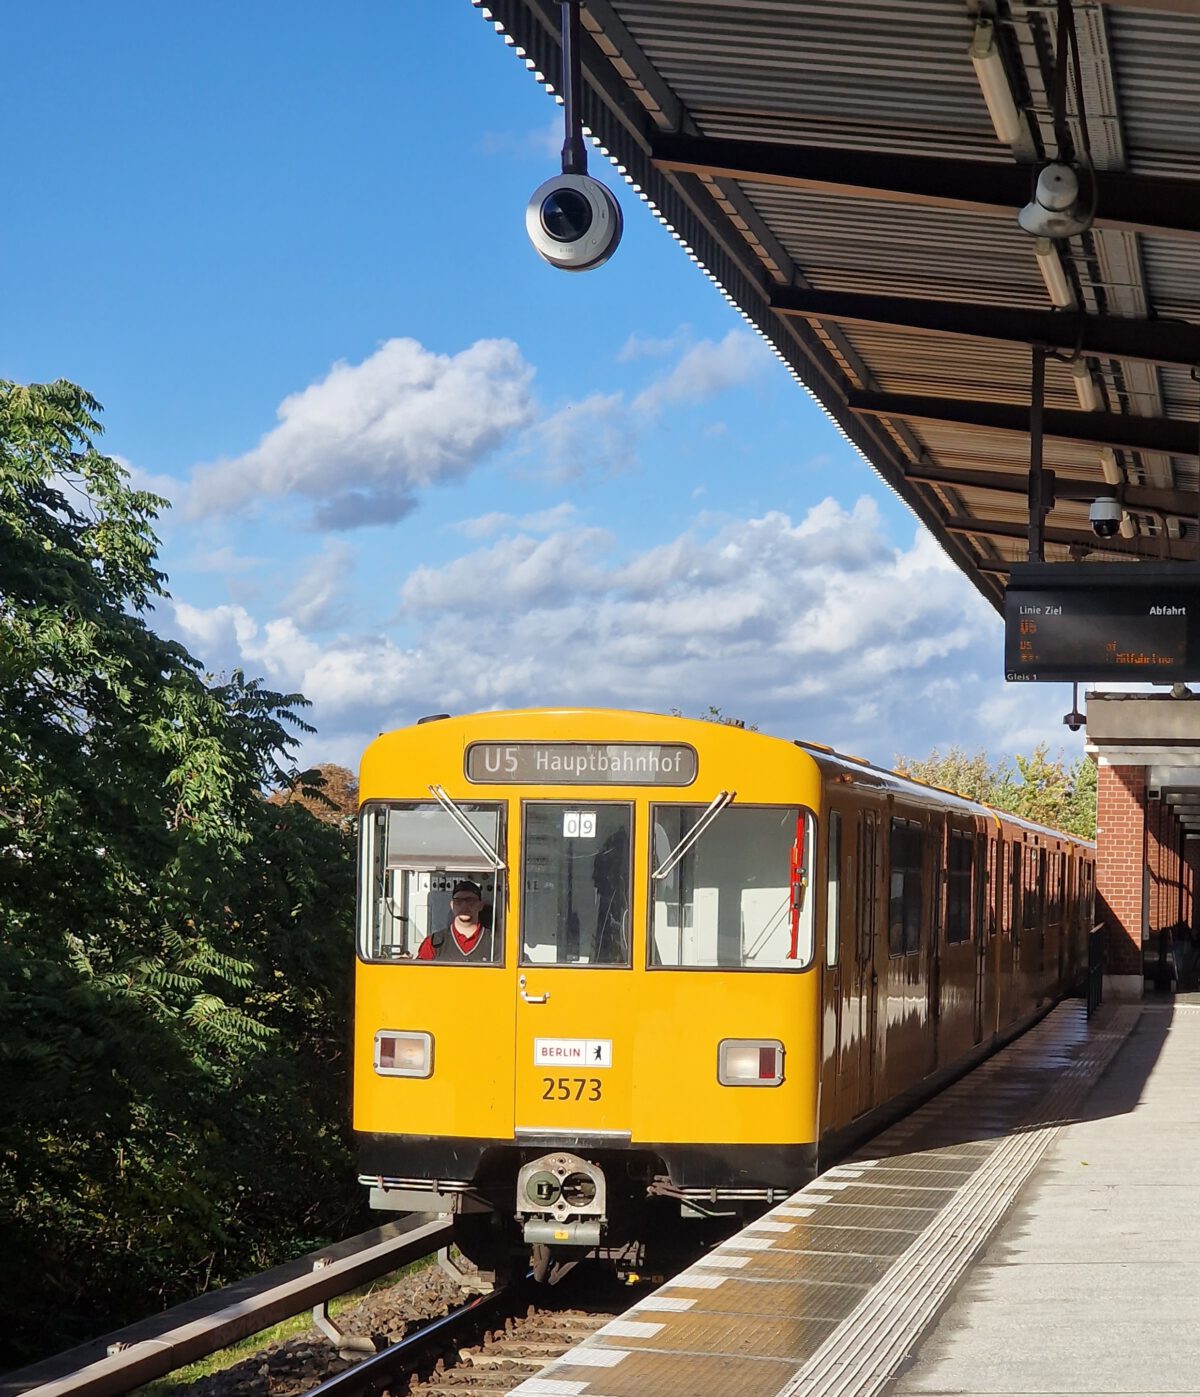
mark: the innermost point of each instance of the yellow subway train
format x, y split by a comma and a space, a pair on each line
618, 970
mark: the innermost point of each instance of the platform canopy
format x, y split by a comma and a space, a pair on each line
851, 179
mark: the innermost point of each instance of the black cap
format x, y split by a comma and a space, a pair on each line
466, 886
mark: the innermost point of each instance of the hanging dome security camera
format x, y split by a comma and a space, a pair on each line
573, 220
1055, 210
1104, 515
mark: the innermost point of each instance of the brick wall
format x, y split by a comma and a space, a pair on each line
1191, 905
1121, 850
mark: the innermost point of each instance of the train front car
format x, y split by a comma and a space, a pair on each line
629, 1039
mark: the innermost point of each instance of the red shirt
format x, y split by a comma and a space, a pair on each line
466, 944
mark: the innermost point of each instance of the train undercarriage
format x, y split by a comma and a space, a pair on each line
636, 1211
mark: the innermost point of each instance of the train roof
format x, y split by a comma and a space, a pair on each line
857, 771
853, 770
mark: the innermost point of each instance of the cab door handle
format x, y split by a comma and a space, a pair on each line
531, 998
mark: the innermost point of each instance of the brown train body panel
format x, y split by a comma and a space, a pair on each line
948, 926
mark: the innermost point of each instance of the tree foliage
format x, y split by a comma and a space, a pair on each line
174, 950
1036, 787
328, 792
713, 714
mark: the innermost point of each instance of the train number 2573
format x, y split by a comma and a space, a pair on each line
571, 1089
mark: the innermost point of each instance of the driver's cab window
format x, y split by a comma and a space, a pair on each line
430, 890
575, 890
730, 890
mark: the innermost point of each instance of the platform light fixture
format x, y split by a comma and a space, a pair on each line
1051, 267
1110, 467
994, 84
1085, 386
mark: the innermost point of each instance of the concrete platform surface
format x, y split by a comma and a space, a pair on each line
1091, 1284
830, 1292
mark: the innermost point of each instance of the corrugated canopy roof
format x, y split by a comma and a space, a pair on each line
833, 165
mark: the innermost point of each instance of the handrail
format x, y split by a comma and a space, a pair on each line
185, 1337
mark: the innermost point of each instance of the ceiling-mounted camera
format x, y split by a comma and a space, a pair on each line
573, 222
1104, 516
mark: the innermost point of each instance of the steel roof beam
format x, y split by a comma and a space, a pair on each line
1173, 342
1131, 203
1184, 503
1165, 434
1003, 528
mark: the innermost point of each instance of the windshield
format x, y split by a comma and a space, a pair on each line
737, 898
427, 892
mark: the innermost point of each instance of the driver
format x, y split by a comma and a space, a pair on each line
464, 939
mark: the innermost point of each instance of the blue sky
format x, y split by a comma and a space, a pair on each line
413, 468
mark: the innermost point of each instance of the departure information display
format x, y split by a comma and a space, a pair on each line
1071, 621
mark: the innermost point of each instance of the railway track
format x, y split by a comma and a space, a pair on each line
486, 1345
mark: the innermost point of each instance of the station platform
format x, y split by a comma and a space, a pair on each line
1033, 1229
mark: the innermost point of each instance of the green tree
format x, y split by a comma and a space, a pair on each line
173, 950
713, 714
1036, 787
967, 774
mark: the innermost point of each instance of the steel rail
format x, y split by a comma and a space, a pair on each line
190, 1337
375, 1374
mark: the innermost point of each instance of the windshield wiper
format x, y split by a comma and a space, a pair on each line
691, 837
448, 805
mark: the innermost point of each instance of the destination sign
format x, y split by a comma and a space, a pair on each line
1102, 621
581, 763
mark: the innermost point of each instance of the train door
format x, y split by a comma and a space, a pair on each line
1010, 950
575, 1000
985, 855
866, 1061
937, 919
839, 1016
999, 912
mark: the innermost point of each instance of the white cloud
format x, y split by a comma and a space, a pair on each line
365, 440
319, 598
706, 369
224, 560
593, 436
815, 628
648, 347
543, 521
514, 572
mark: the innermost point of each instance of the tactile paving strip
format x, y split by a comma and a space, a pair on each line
825, 1294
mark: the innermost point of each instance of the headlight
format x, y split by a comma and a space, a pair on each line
403, 1054
750, 1062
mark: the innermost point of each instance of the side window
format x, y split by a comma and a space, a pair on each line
1035, 863
868, 885
906, 890
979, 907
576, 870
740, 895
958, 887
833, 897
1012, 922
426, 891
